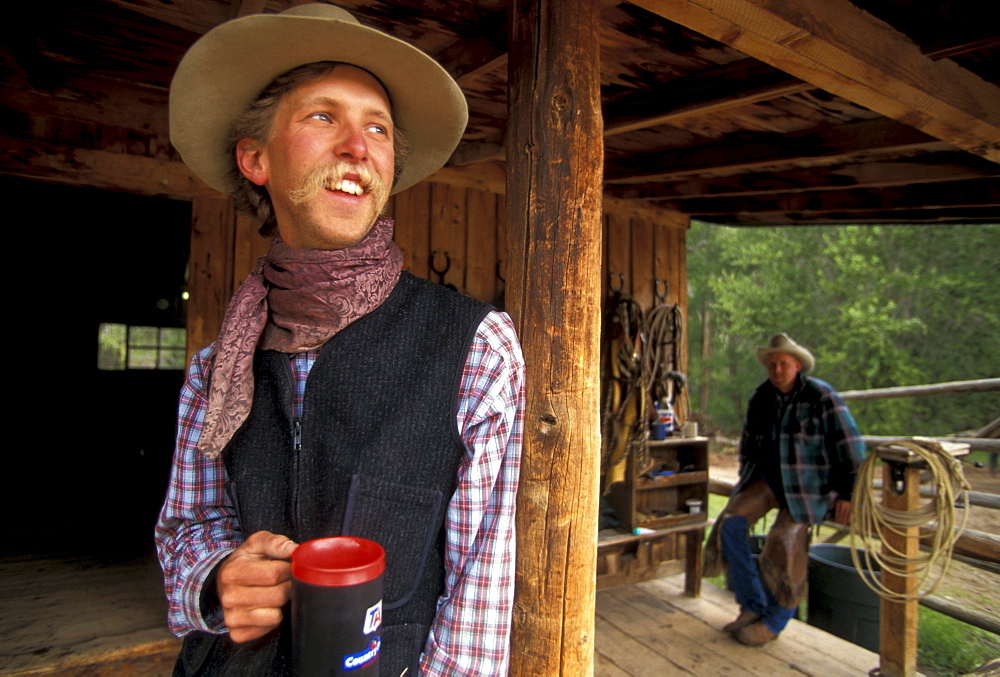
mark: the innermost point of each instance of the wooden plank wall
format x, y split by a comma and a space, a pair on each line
440, 226
641, 249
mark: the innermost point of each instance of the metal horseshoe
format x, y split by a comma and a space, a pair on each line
662, 298
441, 273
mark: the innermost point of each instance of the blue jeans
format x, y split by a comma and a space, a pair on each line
744, 578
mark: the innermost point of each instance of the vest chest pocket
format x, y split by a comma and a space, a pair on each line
405, 521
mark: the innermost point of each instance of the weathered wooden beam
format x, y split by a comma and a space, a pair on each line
924, 169
720, 89
554, 161
981, 385
111, 103
979, 193
99, 169
841, 49
975, 443
484, 52
196, 16
759, 152
970, 616
492, 178
930, 216
484, 176
489, 149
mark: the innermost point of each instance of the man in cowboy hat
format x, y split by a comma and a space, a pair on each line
343, 396
799, 452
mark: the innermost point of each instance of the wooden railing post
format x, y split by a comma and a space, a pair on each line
898, 621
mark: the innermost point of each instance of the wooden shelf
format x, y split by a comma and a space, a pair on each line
675, 480
677, 442
675, 520
664, 498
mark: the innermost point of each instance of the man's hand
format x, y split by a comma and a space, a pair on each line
842, 512
254, 583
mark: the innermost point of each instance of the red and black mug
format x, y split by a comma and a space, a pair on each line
337, 606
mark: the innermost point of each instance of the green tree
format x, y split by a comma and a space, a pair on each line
880, 306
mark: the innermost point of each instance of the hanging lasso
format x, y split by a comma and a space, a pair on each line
870, 518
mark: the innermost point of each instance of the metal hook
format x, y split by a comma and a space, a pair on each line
662, 298
441, 273
621, 283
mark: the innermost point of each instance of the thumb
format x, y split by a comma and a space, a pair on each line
271, 546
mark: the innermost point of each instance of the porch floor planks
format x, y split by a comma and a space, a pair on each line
691, 641
97, 615
809, 648
682, 635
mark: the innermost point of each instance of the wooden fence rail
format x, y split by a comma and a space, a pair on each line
976, 386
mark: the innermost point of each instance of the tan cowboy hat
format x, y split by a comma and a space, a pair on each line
228, 67
783, 343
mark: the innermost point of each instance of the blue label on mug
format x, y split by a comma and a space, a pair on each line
363, 658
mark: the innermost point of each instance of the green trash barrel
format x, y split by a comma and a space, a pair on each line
839, 600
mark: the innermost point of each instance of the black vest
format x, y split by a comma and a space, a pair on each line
375, 454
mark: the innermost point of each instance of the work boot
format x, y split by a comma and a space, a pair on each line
755, 634
744, 619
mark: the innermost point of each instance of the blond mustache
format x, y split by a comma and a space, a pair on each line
319, 178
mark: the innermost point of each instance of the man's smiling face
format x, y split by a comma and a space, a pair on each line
328, 162
782, 371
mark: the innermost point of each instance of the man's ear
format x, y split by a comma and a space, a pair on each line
252, 161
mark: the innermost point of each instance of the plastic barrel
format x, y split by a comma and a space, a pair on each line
839, 600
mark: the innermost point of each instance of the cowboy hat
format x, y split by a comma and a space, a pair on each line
783, 343
224, 72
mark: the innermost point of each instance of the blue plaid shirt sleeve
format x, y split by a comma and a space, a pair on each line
197, 527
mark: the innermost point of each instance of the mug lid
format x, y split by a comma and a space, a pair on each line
338, 561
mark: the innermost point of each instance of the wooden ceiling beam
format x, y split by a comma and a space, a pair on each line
843, 50
718, 89
765, 152
100, 101
483, 51
99, 169
924, 169
980, 193
196, 16
721, 89
962, 216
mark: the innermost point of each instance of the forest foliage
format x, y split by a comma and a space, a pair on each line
878, 306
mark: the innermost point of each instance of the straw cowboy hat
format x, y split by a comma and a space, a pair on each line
783, 343
227, 68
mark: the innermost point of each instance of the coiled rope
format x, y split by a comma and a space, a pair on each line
870, 518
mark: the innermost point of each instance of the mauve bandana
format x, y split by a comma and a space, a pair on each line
294, 300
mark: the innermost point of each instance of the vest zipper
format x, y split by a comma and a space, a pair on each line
296, 443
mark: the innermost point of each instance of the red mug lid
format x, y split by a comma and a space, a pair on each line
338, 561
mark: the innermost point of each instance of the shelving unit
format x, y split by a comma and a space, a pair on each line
651, 500
656, 503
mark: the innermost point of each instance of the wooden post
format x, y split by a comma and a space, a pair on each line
898, 620
554, 178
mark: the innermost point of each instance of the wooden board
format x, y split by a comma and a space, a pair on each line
652, 628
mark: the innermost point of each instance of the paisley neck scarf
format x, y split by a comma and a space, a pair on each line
294, 300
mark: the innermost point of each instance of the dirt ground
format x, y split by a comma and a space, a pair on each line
963, 584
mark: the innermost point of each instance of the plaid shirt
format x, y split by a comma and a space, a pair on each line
818, 445
470, 634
